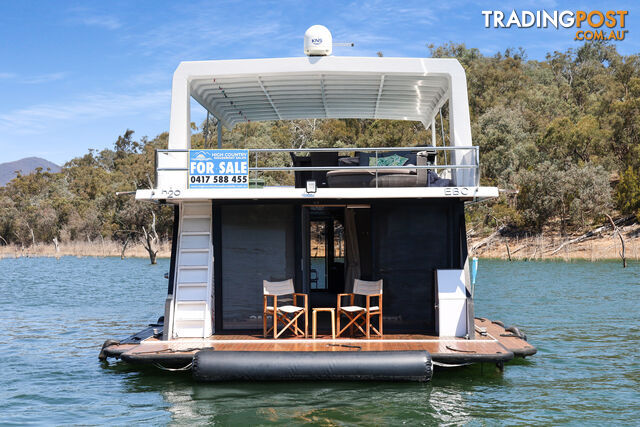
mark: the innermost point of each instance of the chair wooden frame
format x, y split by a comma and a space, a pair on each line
360, 317
280, 314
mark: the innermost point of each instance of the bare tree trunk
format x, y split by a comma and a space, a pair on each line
124, 247
33, 237
102, 239
19, 238
55, 243
152, 257
535, 249
506, 242
616, 230
150, 240
5, 242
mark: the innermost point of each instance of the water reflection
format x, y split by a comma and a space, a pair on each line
443, 401
318, 403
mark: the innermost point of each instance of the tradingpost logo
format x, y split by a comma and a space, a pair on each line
589, 25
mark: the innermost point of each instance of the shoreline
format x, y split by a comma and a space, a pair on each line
539, 247
81, 249
553, 246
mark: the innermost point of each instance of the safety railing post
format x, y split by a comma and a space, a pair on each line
255, 175
377, 165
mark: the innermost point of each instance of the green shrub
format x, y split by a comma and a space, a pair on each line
628, 193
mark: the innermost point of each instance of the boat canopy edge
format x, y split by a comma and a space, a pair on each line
292, 193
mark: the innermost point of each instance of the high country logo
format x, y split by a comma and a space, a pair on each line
591, 25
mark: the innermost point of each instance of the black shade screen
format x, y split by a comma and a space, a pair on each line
258, 243
410, 242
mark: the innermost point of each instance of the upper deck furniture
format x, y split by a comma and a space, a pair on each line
401, 176
287, 314
359, 316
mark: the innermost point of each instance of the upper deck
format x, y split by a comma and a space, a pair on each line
415, 89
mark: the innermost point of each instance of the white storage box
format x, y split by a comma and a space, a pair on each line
451, 303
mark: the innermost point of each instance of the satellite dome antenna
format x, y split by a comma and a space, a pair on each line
319, 42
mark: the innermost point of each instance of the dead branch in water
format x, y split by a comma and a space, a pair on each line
150, 240
524, 246
591, 234
488, 239
124, 246
616, 230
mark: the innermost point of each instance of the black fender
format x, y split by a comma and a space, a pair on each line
107, 343
211, 365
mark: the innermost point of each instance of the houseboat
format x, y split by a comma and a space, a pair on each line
358, 271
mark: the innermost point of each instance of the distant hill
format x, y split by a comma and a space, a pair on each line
25, 166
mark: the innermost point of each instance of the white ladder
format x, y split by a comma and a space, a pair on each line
192, 296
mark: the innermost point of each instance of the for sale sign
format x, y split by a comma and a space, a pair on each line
218, 168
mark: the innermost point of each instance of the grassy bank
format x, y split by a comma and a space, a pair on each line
83, 249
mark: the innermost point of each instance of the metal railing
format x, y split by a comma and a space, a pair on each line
474, 167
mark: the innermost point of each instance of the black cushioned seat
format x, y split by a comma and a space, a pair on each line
367, 178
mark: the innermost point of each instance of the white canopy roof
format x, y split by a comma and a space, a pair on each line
330, 95
236, 91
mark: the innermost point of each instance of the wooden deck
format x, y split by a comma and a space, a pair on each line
496, 346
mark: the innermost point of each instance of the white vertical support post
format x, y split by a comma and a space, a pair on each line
180, 123
460, 126
433, 132
179, 133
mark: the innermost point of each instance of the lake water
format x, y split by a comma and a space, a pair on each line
584, 318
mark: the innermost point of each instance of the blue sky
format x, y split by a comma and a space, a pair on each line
75, 75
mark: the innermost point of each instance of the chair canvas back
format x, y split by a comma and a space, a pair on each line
278, 288
365, 287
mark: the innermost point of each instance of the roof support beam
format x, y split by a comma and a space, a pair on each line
269, 98
212, 108
437, 105
375, 112
222, 108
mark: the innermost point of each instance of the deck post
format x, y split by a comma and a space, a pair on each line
167, 327
471, 328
